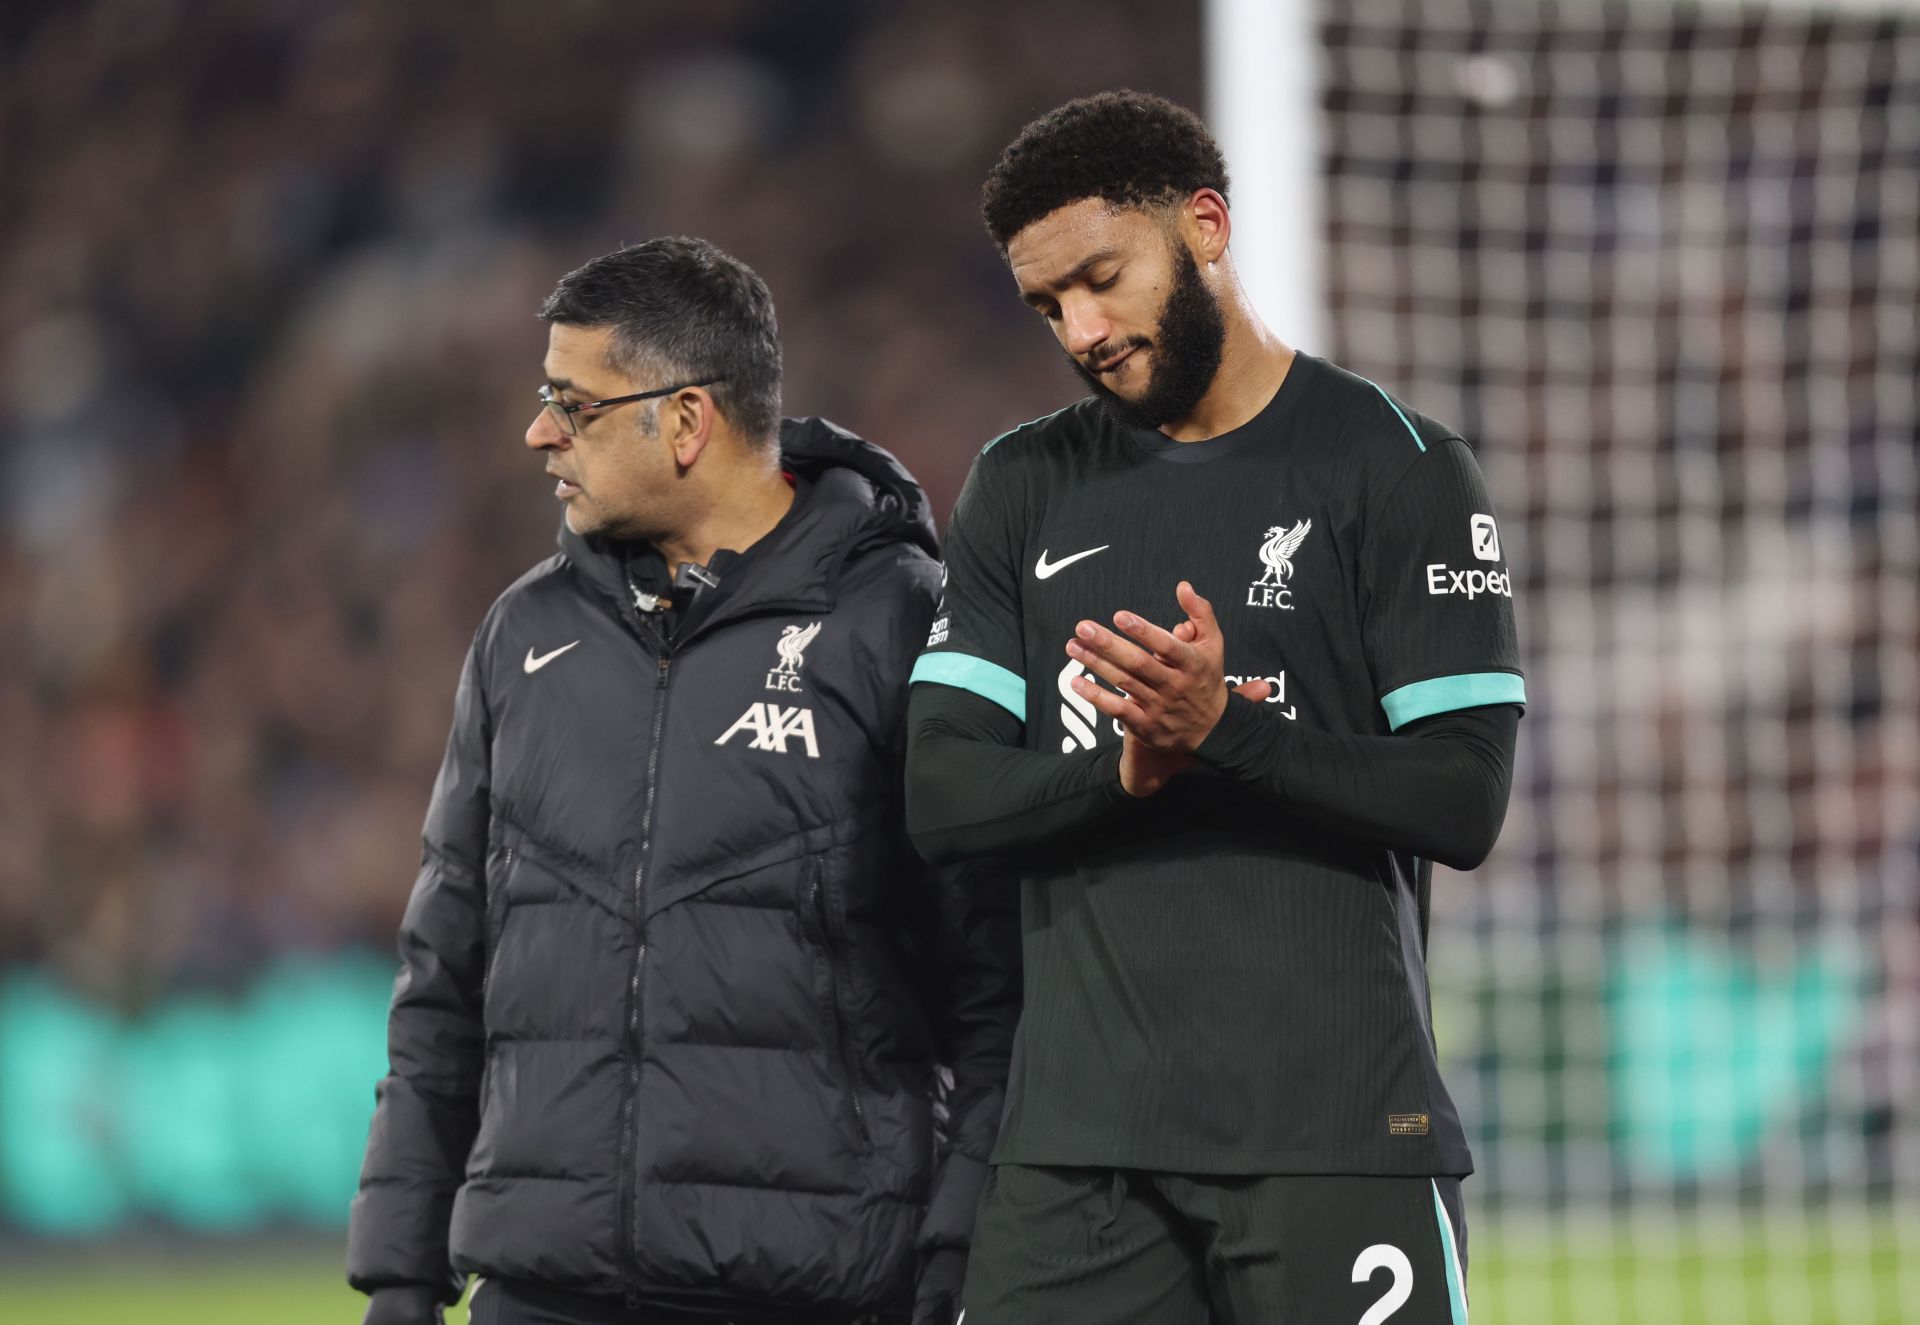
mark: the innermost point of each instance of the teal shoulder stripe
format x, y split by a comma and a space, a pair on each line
1456, 1290
985, 679
1444, 694
1413, 431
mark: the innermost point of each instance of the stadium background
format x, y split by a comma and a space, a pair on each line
267, 273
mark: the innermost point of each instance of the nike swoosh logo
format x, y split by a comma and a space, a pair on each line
533, 664
1043, 570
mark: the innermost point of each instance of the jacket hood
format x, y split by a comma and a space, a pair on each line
813, 448
854, 497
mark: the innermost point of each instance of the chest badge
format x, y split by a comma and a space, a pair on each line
772, 725
792, 647
1276, 556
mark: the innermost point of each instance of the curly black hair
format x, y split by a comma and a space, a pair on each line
1130, 148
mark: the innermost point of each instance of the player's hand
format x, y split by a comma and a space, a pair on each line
936, 1295
1144, 770
1173, 681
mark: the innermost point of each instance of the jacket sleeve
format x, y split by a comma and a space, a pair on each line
428, 1104
978, 957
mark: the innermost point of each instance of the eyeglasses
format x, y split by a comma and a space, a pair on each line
563, 413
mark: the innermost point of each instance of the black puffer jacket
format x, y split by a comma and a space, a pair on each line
676, 990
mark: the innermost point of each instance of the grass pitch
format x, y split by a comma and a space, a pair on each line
1860, 1270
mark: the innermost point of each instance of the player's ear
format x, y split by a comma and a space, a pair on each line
1208, 225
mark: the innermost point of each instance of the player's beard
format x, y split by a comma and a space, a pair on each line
1187, 349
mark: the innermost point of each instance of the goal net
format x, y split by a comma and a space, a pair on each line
1661, 265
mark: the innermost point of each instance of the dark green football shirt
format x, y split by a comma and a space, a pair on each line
1212, 984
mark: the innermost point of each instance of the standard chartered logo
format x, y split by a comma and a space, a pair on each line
1082, 719
1077, 715
1276, 690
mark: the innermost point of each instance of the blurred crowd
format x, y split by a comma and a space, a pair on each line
268, 273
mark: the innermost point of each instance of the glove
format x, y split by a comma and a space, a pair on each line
936, 1298
404, 1304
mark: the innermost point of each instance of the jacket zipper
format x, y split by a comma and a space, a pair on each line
817, 899
630, 1199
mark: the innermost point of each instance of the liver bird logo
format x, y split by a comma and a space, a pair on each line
792, 643
1277, 552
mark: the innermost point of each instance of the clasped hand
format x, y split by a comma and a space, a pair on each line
1172, 682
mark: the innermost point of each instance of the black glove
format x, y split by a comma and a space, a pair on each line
936, 1298
404, 1304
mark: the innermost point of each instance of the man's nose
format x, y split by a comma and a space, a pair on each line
543, 433
1084, 326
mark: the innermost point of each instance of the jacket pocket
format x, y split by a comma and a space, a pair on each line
816, 916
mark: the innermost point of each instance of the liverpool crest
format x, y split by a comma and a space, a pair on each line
792, 645
1276, 556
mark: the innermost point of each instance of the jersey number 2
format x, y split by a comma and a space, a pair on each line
1382, 1256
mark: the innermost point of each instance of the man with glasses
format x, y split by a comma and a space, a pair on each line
684, 1032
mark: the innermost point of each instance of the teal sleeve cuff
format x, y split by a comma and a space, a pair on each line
1444, 694
985, 679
